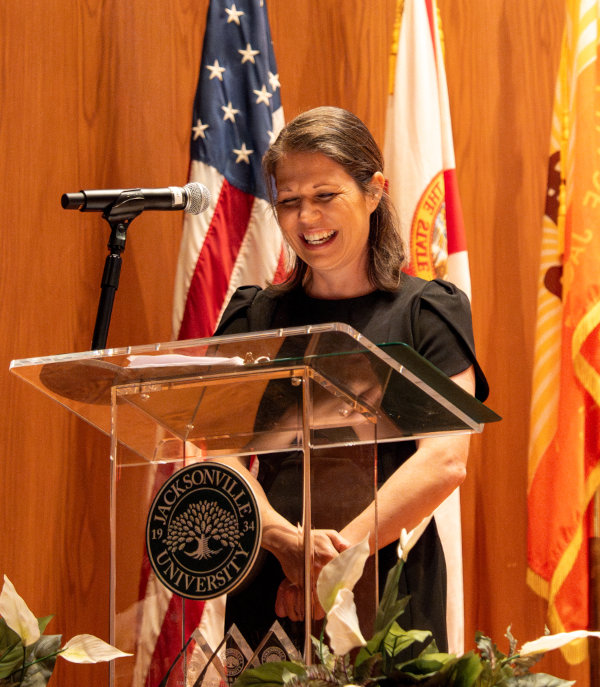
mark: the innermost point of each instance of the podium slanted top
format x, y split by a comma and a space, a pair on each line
243, 394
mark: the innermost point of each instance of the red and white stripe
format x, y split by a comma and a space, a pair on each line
235, 242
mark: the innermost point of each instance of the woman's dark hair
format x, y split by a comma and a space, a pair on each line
342, 137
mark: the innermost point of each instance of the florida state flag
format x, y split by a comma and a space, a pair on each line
564, 469
419, 149
420, 168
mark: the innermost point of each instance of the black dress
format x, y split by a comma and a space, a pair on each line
432, 317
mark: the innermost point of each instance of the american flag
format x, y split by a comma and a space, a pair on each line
237, 114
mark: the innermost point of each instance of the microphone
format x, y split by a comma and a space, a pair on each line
193, 198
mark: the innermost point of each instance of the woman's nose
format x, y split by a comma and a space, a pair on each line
308, 210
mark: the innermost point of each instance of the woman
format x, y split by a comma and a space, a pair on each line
325, 175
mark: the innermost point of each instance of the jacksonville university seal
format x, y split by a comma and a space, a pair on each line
203, 531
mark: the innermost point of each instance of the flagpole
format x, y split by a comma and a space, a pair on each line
594, 591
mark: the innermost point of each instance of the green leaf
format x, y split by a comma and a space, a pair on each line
398, 639
367, 668
287, 675
466, 671
426, 664
11, 650
11, 662
269, 674
390, 608
431, 648
493, 658
43, 622
523, 664
389, 642
322, 651
41, 659
485, 646
372, 647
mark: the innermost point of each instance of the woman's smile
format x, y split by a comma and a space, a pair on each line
318, 238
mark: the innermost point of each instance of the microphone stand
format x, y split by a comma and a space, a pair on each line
127, 206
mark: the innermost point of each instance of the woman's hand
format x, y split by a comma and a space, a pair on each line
287, 545
290, 602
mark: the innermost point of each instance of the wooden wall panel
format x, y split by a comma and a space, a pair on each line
94, 94
334, 54
98, 93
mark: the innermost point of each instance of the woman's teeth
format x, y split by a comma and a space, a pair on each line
317, 237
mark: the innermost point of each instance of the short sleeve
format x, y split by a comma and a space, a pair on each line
443, 332
235, 317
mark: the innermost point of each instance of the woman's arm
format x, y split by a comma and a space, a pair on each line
410, 494
418, 486
283, 539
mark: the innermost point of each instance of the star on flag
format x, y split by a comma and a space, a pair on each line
230, 112
263, 95
248, 54
274, 81
243, 154
233, 14
216, 71
198, 129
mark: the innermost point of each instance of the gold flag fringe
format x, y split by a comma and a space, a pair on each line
394, 48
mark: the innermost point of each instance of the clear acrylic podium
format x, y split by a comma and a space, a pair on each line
309, 405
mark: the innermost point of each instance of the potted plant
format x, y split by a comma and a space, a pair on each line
27, 655
349, 660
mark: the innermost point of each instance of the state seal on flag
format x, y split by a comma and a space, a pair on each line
203, 531
428, 235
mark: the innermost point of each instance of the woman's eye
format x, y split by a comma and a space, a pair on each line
294, 201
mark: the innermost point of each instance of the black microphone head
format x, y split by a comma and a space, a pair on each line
198, 198
72, 201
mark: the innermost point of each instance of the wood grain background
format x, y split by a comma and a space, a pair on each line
98, 93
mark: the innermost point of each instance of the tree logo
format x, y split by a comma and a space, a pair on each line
203, 531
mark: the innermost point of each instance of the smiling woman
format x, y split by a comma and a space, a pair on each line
325, 173
324, 217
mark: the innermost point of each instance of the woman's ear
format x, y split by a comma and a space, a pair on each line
376, 188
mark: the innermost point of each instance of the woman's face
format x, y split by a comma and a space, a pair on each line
324, 215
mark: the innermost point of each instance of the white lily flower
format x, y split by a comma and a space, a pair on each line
550, 642
408, 540
17, 615
334, 589
342, 572
342, 624
89, 649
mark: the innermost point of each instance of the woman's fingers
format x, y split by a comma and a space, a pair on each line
289, 602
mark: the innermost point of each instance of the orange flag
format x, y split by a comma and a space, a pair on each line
564, 453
